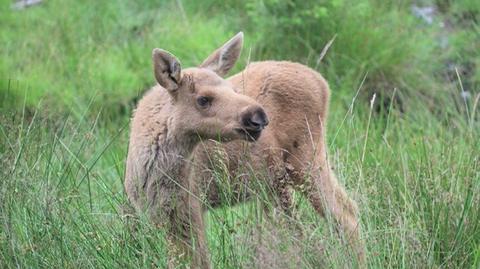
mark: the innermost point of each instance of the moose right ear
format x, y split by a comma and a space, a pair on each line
223, 59
167, 69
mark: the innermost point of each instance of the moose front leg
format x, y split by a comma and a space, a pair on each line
283, 191
281, 184
176, 208
186, 234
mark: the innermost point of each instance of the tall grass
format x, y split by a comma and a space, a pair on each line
417, 187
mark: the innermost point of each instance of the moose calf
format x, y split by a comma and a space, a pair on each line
274, 111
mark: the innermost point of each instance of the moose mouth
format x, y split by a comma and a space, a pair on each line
249, 134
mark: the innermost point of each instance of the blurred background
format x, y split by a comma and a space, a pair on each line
71, 73
67, 52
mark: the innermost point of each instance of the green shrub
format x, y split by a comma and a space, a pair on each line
379, 40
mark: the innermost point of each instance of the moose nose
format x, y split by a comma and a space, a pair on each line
256, 120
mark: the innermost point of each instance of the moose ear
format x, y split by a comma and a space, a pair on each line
223, 59
167, 69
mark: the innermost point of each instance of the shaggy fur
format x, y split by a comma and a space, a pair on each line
169, 164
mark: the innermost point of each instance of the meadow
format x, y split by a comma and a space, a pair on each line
403, 130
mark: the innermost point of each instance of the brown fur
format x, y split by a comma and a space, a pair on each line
170, 132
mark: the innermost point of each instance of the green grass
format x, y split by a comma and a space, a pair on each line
417, 188
71, 70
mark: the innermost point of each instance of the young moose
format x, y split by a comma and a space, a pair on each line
274, 111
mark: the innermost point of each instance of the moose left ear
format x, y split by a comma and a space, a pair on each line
223, 59
167, 69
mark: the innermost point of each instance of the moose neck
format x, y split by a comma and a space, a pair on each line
173, 149
161, 145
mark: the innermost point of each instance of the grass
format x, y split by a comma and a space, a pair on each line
69, 75
417, 187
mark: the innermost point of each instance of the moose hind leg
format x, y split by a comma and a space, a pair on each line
329, 199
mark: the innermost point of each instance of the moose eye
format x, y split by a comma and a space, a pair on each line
204, 101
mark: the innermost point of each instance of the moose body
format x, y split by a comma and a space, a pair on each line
270, 117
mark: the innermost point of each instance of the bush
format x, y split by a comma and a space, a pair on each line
379, 40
